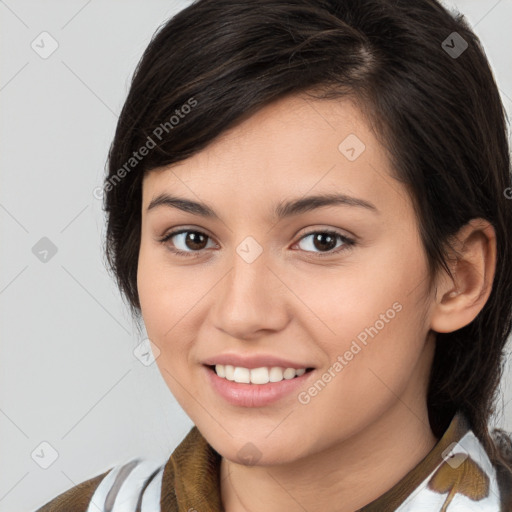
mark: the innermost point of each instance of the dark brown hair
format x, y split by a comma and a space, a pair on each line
430, 95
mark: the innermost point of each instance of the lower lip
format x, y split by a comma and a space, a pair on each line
254, 395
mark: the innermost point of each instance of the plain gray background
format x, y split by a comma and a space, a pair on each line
69, 376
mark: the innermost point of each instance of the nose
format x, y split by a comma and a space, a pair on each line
251, 300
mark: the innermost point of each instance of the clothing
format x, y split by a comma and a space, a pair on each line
455, 476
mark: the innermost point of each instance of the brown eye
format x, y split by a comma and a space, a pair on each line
325, 242
186, 241
195, 240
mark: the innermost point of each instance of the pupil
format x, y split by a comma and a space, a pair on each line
325, 238
193, 238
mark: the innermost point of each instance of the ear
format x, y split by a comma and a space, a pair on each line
459, 300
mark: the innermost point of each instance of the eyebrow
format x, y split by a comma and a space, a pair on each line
282, 210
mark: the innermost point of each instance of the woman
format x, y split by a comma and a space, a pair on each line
308, 207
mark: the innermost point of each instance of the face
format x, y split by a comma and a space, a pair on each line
336, 288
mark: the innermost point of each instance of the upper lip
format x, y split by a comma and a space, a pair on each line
254, 361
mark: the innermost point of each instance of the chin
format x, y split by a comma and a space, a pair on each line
250, 449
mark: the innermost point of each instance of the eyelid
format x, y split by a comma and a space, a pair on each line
178, 231
175, 231
301, 233
319, 228
348, 241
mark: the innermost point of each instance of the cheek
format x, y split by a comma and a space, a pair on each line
164, 305
373, 317
347, 301
372, 361
160, 295
169, 298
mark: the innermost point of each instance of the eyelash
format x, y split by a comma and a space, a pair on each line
347, 242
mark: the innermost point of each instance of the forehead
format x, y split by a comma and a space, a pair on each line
291, 147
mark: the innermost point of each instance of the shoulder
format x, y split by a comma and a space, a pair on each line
135, 484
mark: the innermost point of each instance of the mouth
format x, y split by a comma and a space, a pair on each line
253, 387
257, 376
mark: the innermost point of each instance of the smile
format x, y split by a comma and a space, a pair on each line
262, 375
256, 387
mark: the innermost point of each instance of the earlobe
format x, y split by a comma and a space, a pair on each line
459, 300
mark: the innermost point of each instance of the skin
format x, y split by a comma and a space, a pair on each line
368, 427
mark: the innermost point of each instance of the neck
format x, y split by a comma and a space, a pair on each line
344, 478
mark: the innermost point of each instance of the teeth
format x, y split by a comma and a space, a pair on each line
289, 373
242, 375
229, 372
276, 374
221, 370
261, 375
